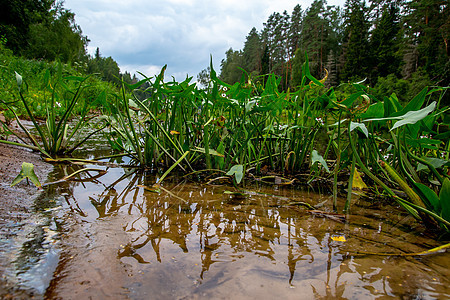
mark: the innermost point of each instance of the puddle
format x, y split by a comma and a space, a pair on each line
118, 240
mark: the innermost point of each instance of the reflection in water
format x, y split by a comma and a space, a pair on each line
196, 240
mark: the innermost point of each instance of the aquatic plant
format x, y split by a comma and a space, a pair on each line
253, 128
57, 135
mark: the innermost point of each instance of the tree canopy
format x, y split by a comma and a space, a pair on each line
363, 40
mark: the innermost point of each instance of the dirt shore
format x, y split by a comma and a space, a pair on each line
15, 212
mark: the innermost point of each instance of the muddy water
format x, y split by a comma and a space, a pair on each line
192, 241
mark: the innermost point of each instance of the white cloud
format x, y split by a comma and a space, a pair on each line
145, 35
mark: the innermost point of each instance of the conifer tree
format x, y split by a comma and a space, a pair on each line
385, 44
428, 30
355, 45
252, 53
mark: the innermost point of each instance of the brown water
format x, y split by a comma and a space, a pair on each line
118, 240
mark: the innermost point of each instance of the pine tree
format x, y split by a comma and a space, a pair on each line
385, 41
428, 29
356, 44
295, 30
252, 53
229, 72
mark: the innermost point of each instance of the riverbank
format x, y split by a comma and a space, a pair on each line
16, 214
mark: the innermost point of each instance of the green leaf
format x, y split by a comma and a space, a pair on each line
349, 101
444, 199
435, 162
307, 72
237, 171
27, 172
415, 104
375, 110
361, 126
411, 117
391, 105
316, 157
430, 196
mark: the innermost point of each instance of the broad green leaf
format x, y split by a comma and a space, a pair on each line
375, 110
316, 157
391, 105
415, 104
220, 160
411, 117
443, 136
27, 172
349, 101
361, 126
430, 196
444, 199
238, 172
435, 162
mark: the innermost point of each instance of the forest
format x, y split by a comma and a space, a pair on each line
398, 46
45, 30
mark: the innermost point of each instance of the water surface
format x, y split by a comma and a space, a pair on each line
193, 241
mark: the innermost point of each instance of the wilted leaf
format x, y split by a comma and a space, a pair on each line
358, 183
338, 238
211, 151
27, 172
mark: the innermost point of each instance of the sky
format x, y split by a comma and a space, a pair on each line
145, 35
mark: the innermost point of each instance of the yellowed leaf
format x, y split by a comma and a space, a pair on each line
338, 238
358, 183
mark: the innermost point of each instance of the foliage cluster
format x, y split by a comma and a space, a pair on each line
45, 30
377, 41
251, 128
34, 72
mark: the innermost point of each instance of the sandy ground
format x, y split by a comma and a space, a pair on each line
15, 208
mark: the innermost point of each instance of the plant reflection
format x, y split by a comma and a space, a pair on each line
221, 223
218, 227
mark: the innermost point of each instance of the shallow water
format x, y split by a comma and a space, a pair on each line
193, 241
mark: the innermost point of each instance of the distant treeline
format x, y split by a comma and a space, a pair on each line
387, 42
44, 29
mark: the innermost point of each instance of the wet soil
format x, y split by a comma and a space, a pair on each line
16, 212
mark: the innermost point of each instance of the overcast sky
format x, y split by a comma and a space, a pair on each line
144, 35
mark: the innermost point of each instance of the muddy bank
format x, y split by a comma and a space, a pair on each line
18, 221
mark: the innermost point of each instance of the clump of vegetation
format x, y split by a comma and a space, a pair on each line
283, 126
251, 127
